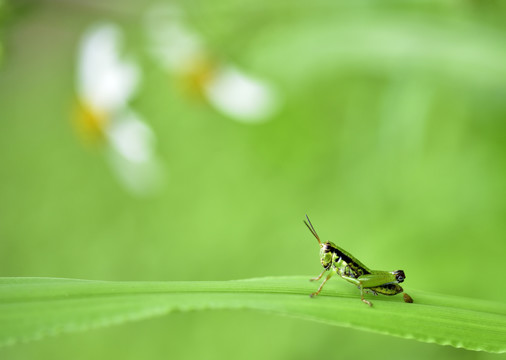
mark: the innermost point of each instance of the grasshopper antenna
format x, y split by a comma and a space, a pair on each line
311, 228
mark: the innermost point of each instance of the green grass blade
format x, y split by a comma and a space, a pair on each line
32, 308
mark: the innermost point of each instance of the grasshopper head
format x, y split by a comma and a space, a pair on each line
326, 254
399, 276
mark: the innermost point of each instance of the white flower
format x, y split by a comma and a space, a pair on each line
173, 44
181, 51
131, 154
131, 137
106, 81
241, 96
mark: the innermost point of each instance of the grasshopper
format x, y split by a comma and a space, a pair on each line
347, 266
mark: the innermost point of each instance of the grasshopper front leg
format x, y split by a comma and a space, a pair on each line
319, 276
323, 283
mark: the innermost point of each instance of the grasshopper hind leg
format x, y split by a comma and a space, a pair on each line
362, 296
370, 291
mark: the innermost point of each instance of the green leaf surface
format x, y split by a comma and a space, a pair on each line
32, 308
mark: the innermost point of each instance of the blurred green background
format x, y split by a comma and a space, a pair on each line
391, 136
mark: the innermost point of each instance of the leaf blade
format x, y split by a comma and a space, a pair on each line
32, 308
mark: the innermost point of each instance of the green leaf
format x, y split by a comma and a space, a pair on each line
32, 308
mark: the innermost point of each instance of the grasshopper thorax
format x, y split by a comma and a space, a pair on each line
327, 247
